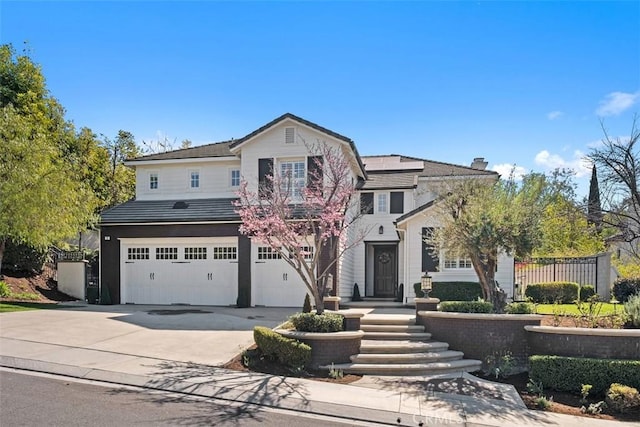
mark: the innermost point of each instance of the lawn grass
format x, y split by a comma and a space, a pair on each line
572, 309
7, 307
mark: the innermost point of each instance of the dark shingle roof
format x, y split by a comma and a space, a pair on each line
432, 168
414, 211
217, 149
147, 211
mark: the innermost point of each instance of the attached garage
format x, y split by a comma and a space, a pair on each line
199, 271
275, 282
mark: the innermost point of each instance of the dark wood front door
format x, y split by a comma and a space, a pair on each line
384, 271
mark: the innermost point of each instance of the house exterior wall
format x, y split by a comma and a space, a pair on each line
174, 180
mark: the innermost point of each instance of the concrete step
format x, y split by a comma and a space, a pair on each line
411, 336
407, 358
463, 365
391, 328
397, 347
388, 319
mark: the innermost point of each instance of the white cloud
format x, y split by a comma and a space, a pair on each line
553, 115
616, 103
579, 163
505, 170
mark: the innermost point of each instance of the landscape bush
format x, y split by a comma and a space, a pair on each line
632, 308
551, 292
622, 398
466, 306
287, 351
20, 258
520, 308
312, 322
586, 292
624, 288
570, 373
5, 290
452, 291
306, 305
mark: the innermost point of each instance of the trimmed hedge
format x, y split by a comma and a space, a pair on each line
551, 292
452, 291
466, 306
312, 322
569, 373
286, 350
586, 292
624, 288
520, 308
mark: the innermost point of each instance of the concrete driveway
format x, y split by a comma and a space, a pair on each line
199, 334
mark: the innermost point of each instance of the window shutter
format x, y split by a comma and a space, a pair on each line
314, 170
366, 203
289, 135
397, 202
265, 167
430, 261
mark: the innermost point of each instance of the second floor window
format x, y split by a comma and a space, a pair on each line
366, 203
235, 177
293, 177
153, 181
195, 179
382, 203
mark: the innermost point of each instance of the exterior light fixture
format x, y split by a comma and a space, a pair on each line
381, 230
426, 284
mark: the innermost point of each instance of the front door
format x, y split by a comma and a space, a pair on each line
384, 271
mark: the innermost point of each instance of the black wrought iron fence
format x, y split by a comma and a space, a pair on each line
582, 270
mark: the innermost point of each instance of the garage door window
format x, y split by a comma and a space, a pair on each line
137, 253
265, 252
195, 253
166, 253
225, 252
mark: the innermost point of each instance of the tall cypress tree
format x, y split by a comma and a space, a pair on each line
594, 209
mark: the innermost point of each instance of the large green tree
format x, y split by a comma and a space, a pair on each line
481, 217
43, 194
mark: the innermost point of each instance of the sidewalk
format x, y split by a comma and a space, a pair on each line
376, 399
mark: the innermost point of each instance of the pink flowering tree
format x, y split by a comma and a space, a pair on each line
310, 224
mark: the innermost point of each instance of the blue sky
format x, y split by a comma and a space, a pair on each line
524, 83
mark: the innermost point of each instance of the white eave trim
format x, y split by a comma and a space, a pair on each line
187, 160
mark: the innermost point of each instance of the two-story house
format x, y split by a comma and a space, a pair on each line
178, 240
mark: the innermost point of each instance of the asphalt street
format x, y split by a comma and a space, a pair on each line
38, 400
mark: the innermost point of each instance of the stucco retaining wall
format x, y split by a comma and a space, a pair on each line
327, 348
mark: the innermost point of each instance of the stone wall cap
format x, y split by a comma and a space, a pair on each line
332, 299
584, 331
427, 300
348, 313
321, 336
479, 316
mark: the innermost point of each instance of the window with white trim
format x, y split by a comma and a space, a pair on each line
265, 252
382, 203
153, 181
194, 179
293, 177
195, 253
166, 253
225, 252
454, 262
235, 177
137, 253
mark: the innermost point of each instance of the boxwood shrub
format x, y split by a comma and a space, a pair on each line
287, 351
466, 306
586, 292
569, 373
452, 291
625, 287
520, 308
312, 322
551, 292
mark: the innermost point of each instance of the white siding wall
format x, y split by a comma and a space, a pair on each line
174, 180
504, 275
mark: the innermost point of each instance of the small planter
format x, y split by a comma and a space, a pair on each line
328, 347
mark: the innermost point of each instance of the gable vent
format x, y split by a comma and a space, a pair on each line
180, 205
289, 135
